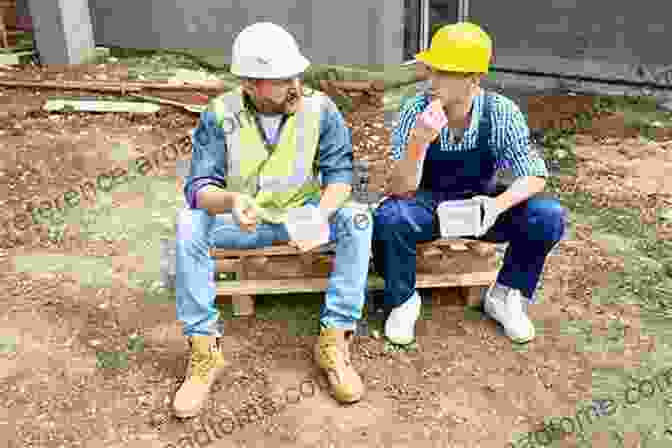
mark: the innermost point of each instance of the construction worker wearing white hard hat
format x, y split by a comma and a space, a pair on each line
268, 60
449, 145
270, 164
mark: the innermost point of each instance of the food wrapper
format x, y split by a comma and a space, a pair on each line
433, 117
307, 223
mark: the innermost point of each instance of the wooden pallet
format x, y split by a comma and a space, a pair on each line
469, 265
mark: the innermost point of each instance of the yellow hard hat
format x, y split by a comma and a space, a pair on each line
461, 47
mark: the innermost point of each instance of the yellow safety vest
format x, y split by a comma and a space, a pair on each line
278, 179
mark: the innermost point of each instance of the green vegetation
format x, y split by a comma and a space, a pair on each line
646, 282
112, 360
142, 228
7, 344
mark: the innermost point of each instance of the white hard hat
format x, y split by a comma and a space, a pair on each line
266, 50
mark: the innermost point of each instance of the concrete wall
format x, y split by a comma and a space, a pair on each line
329, 32
601, 38
62, 30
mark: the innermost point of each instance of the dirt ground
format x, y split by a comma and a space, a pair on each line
464, 387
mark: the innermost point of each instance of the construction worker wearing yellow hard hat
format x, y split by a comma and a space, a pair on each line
266, 158
457, 59
449, 144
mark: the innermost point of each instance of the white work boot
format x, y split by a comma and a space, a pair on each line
505, 305
400, 324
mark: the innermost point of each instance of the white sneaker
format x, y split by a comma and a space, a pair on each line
509, 312
400, 324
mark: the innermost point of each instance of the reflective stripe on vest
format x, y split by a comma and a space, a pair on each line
286, 177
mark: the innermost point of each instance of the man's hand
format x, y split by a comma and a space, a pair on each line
489, 212
427, 127
244, 213
520, 190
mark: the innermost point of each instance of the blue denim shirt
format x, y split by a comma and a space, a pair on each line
209, 152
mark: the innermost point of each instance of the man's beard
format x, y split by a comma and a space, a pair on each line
287, 105
267, 105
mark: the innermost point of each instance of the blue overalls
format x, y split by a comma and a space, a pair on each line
531, 228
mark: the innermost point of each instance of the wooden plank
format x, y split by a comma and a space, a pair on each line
243, 305
273, 250
279, 267
307, 285
196, 108
58, 105
458, 247
458, 244
227, 265
444, 242
482, 248
114, 86
3, 30
472, 294
285, 262
294, 267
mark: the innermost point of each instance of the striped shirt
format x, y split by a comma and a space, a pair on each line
509, 135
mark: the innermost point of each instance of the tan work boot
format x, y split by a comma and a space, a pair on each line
206, 363
332, 354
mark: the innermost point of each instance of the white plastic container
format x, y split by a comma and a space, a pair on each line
459, 218
304, 223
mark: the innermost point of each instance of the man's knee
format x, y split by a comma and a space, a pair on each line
547, 218
359, 220
400, 216
389, 216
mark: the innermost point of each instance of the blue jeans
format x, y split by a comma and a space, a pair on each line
198, 231
532, 228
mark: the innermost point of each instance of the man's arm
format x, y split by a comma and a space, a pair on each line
514, 150
204, 185
215, 200
404, 177
520, 190
405, 171
335, 160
